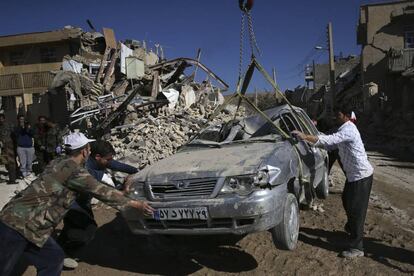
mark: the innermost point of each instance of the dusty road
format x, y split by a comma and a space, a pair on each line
389, 242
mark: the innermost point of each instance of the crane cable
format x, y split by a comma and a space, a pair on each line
245, 7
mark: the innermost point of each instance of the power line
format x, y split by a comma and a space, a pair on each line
307, 57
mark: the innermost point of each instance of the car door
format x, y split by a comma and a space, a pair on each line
320, 155
304, 149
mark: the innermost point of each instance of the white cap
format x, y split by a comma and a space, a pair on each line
76, 140
353, 116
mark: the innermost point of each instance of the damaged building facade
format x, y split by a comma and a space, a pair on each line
26, 63
386, 34
347, 86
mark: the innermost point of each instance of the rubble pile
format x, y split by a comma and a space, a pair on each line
151, 138
109, 83
143, 103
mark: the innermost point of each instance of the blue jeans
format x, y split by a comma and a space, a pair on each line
48, 259
26, 156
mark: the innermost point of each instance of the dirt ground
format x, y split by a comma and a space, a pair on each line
389, 240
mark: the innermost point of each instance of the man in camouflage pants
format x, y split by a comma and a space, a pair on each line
28, 220
46, 140
7, 156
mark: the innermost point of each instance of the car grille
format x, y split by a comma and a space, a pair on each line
189, 223
187, 188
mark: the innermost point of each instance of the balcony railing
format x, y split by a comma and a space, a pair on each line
22, 81
400, 60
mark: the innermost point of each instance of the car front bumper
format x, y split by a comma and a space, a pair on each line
231, 214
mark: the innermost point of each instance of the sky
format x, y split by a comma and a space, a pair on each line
286, 31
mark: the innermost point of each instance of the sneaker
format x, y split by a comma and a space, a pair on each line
352, 253
70, 263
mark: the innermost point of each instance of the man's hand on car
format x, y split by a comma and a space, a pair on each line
127, 184
305, 137
143, 207
298, 134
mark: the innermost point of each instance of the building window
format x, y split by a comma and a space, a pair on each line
17, 58
48, 54
409, 39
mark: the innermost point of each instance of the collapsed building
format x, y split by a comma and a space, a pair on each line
90, 81
124, 83
71, 75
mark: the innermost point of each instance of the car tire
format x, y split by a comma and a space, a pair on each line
285, 234
322, 190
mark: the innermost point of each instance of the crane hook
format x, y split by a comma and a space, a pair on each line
245, 5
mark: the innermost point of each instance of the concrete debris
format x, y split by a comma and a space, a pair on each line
146, 106
150, 139
112, 83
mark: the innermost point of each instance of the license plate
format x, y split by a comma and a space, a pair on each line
181, 213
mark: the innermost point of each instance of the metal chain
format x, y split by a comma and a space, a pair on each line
241, 45
252, 36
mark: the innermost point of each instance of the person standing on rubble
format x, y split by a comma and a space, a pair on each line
28, 219
46, 140
23, 134
79, 223
359, 175
7, 156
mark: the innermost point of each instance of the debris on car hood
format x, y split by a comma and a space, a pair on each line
206, 161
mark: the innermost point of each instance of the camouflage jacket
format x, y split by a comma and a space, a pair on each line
6, 133
49, 138
38, 209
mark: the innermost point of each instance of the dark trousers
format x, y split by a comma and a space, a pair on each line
333, 155
355, 199
48, 259
78, 230
43, 158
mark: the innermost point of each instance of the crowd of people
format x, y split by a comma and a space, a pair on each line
34, 146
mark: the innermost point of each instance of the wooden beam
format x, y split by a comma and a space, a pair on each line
109, 37
111, 66
155, 84
103, 62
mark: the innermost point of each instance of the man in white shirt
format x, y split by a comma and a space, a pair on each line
359, 175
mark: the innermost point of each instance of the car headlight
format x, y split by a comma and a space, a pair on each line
137, 189
242, 185
262, 178
246, 184
266, 175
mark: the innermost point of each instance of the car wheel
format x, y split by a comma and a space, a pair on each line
322, 190
285, 234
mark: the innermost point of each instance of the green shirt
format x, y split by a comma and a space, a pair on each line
38, 209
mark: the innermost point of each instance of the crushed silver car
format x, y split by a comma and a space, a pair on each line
239, 177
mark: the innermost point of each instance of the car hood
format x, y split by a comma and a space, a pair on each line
234, 159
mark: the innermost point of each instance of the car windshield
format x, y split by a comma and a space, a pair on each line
250, 129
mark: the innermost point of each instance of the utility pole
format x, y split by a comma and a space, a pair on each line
313, 75
331, 95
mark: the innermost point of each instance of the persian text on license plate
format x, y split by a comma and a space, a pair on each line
181, 213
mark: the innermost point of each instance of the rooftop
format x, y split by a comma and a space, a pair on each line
39, 37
